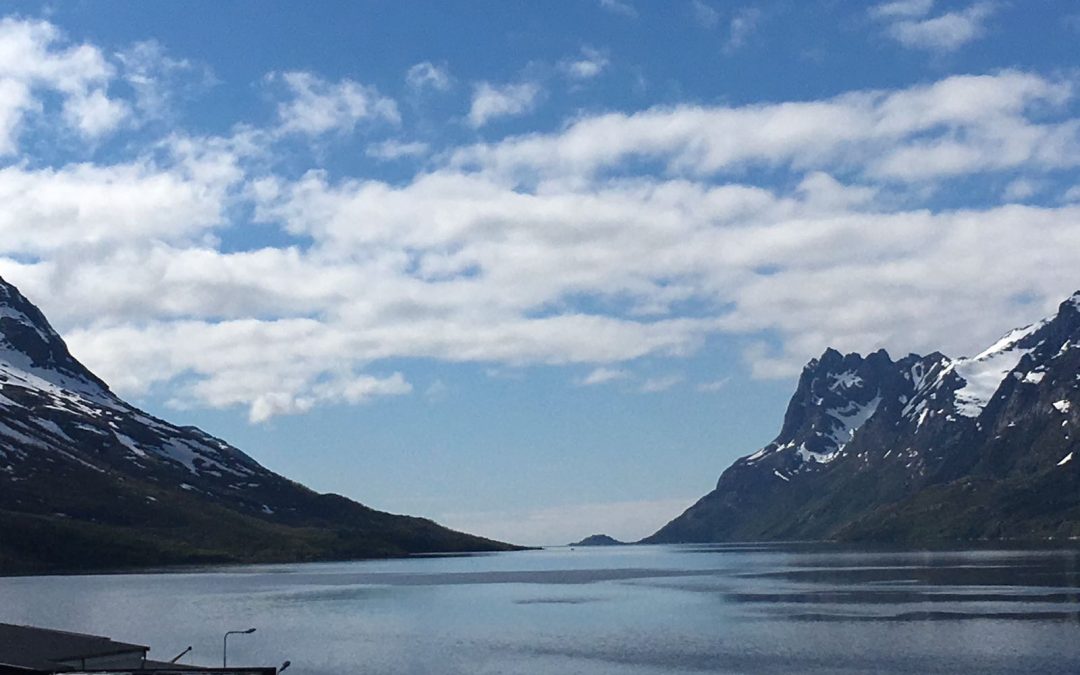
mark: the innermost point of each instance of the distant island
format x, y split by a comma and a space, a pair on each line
599, 540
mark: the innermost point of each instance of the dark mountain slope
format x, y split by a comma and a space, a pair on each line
88, 481
915, 449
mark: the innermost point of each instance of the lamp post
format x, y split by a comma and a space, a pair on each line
177, 657
225, 644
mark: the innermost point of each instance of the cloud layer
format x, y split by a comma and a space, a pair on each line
790, 226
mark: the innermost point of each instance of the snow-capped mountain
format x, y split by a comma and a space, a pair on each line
87, 480
925, 447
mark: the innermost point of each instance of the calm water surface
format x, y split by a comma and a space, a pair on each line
656, 609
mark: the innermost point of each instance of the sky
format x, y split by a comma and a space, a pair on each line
534, 270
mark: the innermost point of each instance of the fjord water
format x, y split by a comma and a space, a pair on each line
648, 609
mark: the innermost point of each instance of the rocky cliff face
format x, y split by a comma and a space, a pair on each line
89, 481
920, 448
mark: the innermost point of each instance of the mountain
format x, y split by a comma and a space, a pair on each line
918, 449
88, 481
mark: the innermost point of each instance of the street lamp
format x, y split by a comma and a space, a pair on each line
177, 657
225, 644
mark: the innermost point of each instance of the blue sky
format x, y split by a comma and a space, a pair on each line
535, 270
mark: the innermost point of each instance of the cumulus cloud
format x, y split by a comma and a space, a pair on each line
1021, 189
317, 106
588, 65
48, 210
426, 75
620, 7
908, 23
540, 248
493, 101
902, 9
93, 114
961, 124
158, 78
390, 150
34, 55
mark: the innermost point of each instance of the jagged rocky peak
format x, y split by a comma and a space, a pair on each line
29, 345
982, 446
1072, 303
836, 395
1063, 327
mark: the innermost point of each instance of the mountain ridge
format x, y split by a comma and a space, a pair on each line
91, 482
915, 449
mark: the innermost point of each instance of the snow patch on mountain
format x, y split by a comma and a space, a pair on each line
16, 368
1034, 377
851, 419
130, 444
845, 380
983, 374
917, 375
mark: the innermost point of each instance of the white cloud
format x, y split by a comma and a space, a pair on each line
392, 149
742, 26
960, 124
158, 78
590, 64
1021, 189
94, 114
34, 56
705, 14
85, 205
273, 367
945, 33
493, 101
528, 251
621, 7
15, 102
603, 376
485, 244
359, 389
902, 9
317, 107
713, 385
654, 385
427, 74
